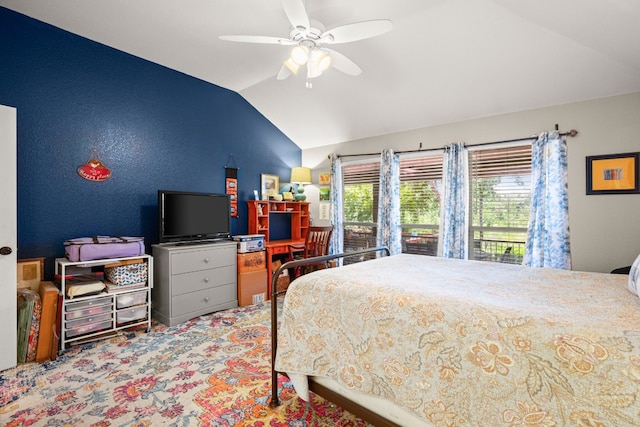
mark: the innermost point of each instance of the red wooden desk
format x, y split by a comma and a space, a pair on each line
277, 247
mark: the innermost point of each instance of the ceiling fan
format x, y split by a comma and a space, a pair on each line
308, 38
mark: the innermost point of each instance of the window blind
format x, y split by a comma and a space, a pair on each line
500, 200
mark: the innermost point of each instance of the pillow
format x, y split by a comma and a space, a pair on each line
634, 277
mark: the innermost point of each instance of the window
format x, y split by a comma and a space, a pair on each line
360, 207
420, 185
500, 199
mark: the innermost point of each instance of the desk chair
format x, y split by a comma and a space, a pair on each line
316, 244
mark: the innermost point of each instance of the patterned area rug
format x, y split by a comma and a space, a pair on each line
214, 370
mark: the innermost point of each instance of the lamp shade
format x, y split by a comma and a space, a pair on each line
300, 175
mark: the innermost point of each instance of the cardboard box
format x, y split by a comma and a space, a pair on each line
251, 261
252, 287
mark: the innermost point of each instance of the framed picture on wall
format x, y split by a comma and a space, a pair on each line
269, 184
613, 174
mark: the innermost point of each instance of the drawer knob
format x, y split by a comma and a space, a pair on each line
206, 280
206, 260
206, 299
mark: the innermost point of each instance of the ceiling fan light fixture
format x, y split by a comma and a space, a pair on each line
292, 66
324, 61
300, 55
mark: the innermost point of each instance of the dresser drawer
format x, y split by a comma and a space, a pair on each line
89, 310
205, 259
199, 280
74, 324
207, 298
88, 328
131, 314
130, 299
83, 305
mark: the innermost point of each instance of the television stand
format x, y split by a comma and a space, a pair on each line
200, 242
192, 280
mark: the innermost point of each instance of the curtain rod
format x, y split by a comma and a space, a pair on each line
571, 133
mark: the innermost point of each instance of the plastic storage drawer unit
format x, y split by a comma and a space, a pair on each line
88, 328
89, 311
131, 314
71, 324
80, 305
131, 298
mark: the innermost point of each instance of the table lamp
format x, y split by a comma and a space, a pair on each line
300, 175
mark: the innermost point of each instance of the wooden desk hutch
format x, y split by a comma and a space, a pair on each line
259, 214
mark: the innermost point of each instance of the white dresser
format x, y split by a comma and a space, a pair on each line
192, 280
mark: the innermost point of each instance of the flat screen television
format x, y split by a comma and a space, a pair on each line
193, 217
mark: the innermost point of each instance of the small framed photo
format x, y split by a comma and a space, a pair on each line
613, 174
269, 184
30, 273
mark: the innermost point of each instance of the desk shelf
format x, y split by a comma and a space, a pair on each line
259, 211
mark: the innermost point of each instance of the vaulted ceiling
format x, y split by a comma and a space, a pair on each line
444, 61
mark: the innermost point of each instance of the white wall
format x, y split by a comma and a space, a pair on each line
605, 229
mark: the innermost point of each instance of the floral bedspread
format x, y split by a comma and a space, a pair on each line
468, 343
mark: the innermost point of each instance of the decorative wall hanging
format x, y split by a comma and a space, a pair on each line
613, 174
94, 170
231, 185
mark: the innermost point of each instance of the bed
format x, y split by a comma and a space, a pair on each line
441, 342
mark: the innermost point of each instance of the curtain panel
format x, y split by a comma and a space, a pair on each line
389, 231
547, 242
336, 216
454, 211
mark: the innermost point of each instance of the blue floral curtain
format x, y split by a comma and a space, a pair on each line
389, 232
547, 242
453, 220
337, 237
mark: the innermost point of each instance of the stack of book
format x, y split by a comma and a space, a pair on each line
38, 334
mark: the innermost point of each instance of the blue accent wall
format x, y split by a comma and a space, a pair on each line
154, 127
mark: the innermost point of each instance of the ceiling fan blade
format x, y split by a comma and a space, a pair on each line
258, 39
344, 64
296, 13
356, 31
283, 73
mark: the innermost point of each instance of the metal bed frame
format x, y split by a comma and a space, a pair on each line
332, 396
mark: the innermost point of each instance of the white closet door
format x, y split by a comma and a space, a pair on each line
8, 237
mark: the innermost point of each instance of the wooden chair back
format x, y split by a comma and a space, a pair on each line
317, 241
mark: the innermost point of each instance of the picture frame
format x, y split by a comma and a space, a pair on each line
613, 174
324, 194
30, 273
325, 178
269, 185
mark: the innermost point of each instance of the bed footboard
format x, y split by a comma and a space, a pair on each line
275, 398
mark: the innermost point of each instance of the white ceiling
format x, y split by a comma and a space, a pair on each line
444, 61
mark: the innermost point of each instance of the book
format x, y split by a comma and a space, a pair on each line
34, 328
29, 309
49, 298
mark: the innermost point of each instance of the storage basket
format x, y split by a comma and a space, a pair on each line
129, 274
